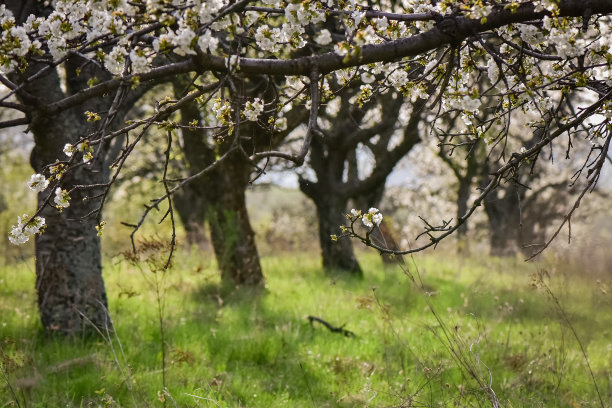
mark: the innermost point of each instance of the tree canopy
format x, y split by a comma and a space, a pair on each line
543, 66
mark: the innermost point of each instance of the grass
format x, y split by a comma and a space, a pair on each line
242, 348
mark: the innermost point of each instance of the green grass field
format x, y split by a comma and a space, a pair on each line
240, 348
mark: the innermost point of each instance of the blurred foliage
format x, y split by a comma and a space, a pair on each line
284, 220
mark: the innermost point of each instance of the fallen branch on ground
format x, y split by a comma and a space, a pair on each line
331, 328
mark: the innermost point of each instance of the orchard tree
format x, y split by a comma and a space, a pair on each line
355, 127
219, 197
74, 68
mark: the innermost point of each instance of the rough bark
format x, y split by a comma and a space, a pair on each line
69, 283
331, 204
232, 236
192, 209
338, 256
219, 198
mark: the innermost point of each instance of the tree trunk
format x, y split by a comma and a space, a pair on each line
192, 209
69, 283
337, 255
463, 196
218, 197
71, 293
503, 217
232, 236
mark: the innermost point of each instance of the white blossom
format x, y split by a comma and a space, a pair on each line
38, 182
253, 109
182, 40
541, 5
367, 78
6, 16
357, 16
478, 11
398, 78
530, 34
61, 199
342, 48
372, 217
209, 8
208, 42
34, 226
115, 60
382, 24
20, 233
21, 38
57, 47
17, 236
267, 38
280, 124
292, 34
565, 42
140, 63
222, 109
324, 37
69, 149
303, 13
492, 70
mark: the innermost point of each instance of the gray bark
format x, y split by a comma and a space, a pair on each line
219, 198
337, 256
69, 283
232, 236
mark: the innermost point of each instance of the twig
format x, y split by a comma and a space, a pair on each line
312, 125
591, 184
333, 329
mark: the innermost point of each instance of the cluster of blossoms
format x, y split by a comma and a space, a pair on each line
61, 199
222, 111
324, 37
192, 25
20, 233
365, 93
253, 109
279, 124
369, 219
133, 37
83, 147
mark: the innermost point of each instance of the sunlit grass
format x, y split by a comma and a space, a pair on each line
239, 347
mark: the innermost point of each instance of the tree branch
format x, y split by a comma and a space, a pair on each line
14, 122
312, 124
